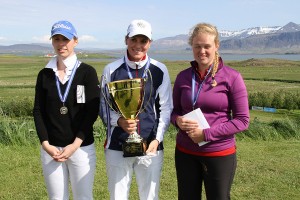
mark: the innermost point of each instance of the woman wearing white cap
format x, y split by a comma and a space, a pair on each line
65, 108
151, 123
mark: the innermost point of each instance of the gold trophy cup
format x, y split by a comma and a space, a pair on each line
127, 97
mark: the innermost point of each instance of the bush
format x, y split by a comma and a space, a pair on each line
17, 107
290, 101
279, 100
275, 130
17, 132
287, 128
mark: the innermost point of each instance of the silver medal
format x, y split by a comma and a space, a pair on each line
63, 110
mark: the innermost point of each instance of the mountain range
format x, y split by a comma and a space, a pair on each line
259, 40
276, 39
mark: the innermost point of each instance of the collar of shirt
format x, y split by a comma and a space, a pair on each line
195, 67
68, 62
133, 64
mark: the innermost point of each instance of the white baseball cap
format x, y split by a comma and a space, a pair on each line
139, 27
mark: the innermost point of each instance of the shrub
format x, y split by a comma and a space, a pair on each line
275, 130
290, 101
17, 132
287, 128
279, 100
17, 107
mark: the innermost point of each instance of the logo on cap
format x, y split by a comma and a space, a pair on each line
61, 26
64, 28
139, 27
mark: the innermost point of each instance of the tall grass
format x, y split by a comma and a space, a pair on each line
17, 132
287, 128
21, 131
16, 107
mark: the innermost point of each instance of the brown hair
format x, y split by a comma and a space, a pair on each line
211, 30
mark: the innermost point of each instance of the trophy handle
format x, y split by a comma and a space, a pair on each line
103, 78
146, 79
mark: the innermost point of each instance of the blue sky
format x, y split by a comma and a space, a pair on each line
103, 24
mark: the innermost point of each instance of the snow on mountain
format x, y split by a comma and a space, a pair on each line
244, 33
224, 34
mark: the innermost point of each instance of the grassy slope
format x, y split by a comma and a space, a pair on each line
18, 78
266, 170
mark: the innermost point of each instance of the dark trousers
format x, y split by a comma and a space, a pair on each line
217, 173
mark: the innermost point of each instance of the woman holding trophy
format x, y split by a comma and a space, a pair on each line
135, 106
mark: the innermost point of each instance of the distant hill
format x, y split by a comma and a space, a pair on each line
26, 48
285, 42
260, 40
35, 48
277, 39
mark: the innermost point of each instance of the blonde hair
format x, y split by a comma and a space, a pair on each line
211, 30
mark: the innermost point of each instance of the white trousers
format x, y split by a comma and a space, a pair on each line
120, 170
79, 168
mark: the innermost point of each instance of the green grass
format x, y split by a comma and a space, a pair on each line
267, 162
260, 85
280, 114
267, 166
18, 74
283, 70
266, 170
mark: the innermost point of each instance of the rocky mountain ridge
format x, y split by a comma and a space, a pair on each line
276, 39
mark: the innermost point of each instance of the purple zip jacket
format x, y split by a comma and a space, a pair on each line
225, 107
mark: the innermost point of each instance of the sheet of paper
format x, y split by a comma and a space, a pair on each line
199, 117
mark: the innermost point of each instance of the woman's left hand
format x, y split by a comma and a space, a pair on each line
65, 153
68, 151
152, 147
196, 135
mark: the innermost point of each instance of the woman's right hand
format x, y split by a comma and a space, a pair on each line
50, 149
186, 124
128, 125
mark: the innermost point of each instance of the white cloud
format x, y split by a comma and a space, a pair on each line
41, 39
2, 39
83, 40
87, 39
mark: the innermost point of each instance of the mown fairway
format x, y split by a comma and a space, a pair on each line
268, 166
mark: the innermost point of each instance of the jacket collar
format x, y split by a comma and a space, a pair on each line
133, 64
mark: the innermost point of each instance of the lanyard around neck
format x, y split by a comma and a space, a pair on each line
194, 98
63, 98
145, 70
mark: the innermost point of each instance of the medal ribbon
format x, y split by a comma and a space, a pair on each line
63, 98
145, 71
194, 99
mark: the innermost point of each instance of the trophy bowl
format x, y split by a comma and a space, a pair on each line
127, 97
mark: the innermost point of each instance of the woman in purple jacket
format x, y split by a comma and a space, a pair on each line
208, 154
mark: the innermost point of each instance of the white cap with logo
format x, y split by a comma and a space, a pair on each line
139, 27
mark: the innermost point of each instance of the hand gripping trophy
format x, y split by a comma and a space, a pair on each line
126, 97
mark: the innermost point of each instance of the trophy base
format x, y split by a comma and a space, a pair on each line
133, 149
